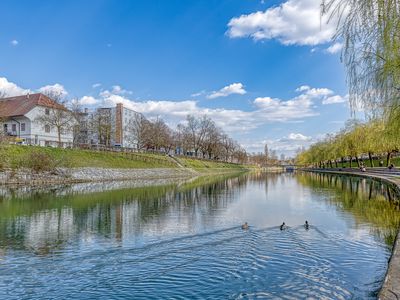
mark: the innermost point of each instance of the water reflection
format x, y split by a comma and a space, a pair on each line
369, 201
43, 220
183, 239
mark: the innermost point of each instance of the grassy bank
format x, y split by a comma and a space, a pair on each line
45, 158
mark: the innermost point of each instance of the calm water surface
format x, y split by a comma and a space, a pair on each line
184, 240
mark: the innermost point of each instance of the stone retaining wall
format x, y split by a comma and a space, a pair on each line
76, 175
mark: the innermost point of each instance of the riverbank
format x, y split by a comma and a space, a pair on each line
30, 165
390, 289
26, 177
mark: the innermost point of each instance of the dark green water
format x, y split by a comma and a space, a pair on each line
184, 240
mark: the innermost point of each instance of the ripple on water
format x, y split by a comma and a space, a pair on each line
228, 263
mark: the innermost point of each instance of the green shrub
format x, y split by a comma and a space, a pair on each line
39, 161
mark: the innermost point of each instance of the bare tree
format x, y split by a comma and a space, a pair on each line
159, 137
100, 126
211, 141
196, 131
138, 130
57, 115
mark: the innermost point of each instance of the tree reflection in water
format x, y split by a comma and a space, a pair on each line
368, 200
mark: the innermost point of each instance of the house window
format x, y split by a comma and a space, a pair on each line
14, 127
47, 128
47, 111
22, 126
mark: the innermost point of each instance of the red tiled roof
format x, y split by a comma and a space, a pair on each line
21, 105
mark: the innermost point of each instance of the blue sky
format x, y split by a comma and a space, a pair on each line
265, 71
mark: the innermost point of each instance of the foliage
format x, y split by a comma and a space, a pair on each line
370, 31
357, 140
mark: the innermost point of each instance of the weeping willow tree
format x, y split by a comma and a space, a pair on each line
370, 32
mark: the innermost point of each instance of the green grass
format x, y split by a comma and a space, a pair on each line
75, 158
15, 156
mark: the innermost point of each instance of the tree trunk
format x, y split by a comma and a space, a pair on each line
343, 162
330, 163
351, 160
336, 165
59, 136
370, 159
388, 158
358, 161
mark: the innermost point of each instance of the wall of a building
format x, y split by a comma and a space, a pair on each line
37, 130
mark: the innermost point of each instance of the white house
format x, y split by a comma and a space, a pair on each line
19, 118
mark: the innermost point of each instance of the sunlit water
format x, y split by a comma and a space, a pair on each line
184, 240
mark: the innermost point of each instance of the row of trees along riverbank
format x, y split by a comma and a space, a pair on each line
373, 141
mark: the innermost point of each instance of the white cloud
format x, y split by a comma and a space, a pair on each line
56, 89
10, 89
296, 137
14, 43
335, 99
266, 109
88, 100
335, 48
96, 85
287, 145
303, 88
294, 22
198, 94
234, 88
117, 89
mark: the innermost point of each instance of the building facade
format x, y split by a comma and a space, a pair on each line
111, 126
19, 118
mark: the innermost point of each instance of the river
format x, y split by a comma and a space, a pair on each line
183, 240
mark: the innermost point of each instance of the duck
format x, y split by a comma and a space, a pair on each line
245, 226
306, 225
283, 226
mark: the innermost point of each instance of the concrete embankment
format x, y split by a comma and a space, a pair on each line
76, 175
80, 175
391, 286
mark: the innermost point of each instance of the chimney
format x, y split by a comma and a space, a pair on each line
27, 95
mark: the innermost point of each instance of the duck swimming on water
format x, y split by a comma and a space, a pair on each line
283, 226
245, 226
306, 225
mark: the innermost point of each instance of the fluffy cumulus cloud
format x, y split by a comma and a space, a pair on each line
117, 89
88, 100
294, 22
265, 109
296, 137
287, 145
234, 88
298, 107
9, 89
335, 48
55, 89
335, 99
